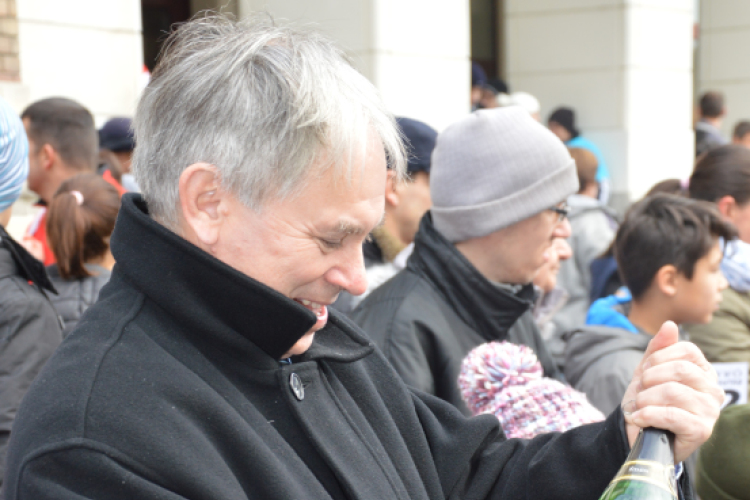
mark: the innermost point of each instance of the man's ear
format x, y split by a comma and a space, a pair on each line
47, 156
202, 202
392, 197
727, 206
666, 280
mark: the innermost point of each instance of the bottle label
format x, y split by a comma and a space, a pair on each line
650, 472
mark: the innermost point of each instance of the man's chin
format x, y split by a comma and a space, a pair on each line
302, 345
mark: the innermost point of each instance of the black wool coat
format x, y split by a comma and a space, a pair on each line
170, 388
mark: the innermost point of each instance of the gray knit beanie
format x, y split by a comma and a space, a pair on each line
494, 168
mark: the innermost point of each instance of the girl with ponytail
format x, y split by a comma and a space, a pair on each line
80, 220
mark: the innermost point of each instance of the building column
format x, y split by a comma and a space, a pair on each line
416, 52
89, 51
11, 88
723, 66
624, 66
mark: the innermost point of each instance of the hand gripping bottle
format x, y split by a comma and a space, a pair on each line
648, 472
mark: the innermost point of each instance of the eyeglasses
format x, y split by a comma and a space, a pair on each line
562, 210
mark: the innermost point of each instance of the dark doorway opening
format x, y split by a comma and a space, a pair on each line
158, 16
487, 36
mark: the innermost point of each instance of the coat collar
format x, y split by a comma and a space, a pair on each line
212, 299
487, 307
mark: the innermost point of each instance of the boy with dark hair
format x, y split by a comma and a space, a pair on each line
669, 254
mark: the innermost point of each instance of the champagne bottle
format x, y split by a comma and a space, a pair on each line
648, 472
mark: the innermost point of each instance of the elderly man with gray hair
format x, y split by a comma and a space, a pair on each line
212, 368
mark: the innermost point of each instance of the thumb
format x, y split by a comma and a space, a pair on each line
668, 335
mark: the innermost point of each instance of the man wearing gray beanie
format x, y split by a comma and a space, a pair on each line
498, 184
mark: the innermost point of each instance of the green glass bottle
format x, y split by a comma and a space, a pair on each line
648, 472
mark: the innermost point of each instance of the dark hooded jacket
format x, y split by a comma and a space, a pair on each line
171, 389
600, 358
428, 317
29, 330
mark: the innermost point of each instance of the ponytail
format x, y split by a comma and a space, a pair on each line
80, 219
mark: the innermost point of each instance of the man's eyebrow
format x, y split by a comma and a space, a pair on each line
347, 227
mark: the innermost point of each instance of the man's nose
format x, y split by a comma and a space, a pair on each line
563, 230
349, 274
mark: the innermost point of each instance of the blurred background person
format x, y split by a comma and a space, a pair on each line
711, 111
485, 94
80, 220
722, 176
527, 102
62, 143
562, 123
29, 326
741, 133
724, 460
391, 244
116, 144
551, 297
593, 228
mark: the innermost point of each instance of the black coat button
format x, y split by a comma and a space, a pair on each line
297, 388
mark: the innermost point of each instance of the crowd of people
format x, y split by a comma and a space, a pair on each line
305, 297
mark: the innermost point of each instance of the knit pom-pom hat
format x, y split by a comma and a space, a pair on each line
506, 379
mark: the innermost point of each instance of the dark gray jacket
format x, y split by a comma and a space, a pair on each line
430, 315
74, 296
29, 331
171, 389
600, 361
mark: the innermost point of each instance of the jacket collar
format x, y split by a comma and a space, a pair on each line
20, 262
210, 298
486, 307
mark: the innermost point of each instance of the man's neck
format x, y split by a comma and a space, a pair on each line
390, 245
648, 318
715, 122
591, 190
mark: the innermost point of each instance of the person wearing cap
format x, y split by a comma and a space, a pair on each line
498, 181
721, 471
562, 122
116, 144
29, 326
211, 366
62, 143
391, 243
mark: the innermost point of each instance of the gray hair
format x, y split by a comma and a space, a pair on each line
263, 104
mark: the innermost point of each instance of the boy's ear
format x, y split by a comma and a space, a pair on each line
727, 205
666, 280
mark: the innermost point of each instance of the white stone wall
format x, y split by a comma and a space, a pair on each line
87, 50
625, 67
415, 51
723, 56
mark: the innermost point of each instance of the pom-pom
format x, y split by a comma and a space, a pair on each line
491, 367
506, 380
